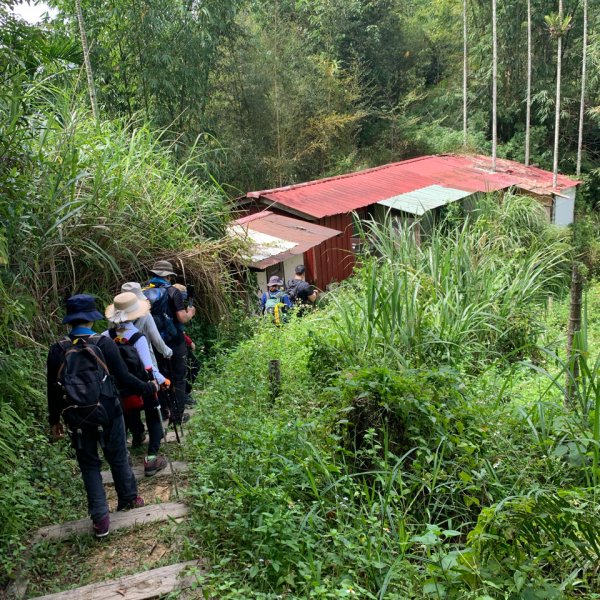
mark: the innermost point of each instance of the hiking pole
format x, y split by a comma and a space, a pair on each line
171, 400
164, 438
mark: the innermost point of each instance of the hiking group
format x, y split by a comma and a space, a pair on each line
98, 384
277, 300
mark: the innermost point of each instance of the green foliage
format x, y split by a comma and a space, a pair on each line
474, 289
388, 468
283, 92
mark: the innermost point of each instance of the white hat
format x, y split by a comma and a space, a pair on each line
134, 287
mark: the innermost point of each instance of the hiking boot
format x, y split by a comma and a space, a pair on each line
189, 401
138, 440
137, 502
153, 465
184, 419
102, 526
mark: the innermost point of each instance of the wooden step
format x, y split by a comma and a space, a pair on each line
138, 471
141, 586
119, 520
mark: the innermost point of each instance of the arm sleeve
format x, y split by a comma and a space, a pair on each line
263, 302
177, 300
53, 389
286, 300
144, 352
150, 330
118, 369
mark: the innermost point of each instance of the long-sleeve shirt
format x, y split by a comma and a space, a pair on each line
127, 330
116, 367
148, 327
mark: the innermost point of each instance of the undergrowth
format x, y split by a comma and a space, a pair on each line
414, 448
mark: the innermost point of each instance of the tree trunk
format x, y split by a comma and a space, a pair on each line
528, 102
558, 78
574, 326
583, 76
465, 72
86, 60
494, 85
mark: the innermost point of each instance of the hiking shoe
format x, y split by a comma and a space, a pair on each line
189, 401
102, 526
153, 465
138, 440
184, 419
137, 502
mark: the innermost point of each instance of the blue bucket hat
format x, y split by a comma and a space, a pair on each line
82, 307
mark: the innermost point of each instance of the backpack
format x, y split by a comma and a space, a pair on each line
85, 379
129, 354
292, 289
275, 307
160, 310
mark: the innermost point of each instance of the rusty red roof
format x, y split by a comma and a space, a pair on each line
346, 193
274, 238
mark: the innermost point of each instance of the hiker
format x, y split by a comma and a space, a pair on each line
134, 348
80, 372
156, 344
170, 315
301, 293
275, 301
193, 364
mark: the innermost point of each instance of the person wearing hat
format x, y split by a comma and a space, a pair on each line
81, 314
147, 326
125, 309
273, 298
164, 277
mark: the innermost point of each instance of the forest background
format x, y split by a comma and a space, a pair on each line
199, 102
278, 92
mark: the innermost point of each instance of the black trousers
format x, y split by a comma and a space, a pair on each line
193, 368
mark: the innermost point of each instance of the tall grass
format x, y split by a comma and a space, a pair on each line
467, 291
84, 206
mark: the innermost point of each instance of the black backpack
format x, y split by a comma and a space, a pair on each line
292, 289
130, 356
160, 309
86, 382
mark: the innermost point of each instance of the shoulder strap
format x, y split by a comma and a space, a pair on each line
112, 333
65, 342
135, 337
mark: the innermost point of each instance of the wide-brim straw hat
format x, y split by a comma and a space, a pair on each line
126, 307
162, 268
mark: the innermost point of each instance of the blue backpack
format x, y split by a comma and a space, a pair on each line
160, 310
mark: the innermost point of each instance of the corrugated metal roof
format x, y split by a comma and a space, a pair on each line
343, 194
275, 238
425, 199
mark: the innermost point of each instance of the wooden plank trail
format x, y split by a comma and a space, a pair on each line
119, 520
178, 467
148, 584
